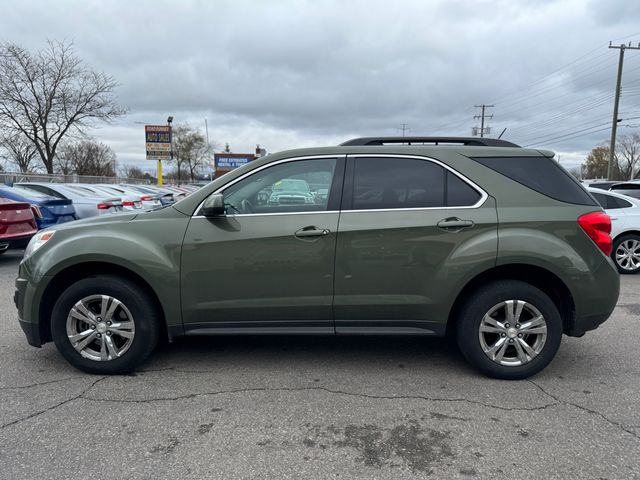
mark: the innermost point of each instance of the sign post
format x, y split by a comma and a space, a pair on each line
158, 145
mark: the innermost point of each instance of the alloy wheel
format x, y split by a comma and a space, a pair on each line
512, 333
628, 255
100, 327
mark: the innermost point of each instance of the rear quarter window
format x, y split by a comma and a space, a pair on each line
541, 174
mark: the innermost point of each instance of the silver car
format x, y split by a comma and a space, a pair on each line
129, 202
86, 204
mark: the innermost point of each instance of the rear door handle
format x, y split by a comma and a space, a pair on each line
454, 223
312, 232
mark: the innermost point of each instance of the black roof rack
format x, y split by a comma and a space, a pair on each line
467, 141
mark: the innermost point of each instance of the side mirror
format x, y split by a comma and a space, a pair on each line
213, 206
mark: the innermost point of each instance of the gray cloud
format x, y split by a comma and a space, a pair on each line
298, 72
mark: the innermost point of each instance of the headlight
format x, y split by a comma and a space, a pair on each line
37, 241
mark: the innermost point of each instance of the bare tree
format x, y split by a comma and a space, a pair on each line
51, 94
19, 150
627, 155
86, 157
127, 171
190, 151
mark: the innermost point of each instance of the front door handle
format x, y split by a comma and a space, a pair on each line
454, 223
312, 232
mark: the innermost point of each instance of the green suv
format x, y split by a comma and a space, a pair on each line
477, 238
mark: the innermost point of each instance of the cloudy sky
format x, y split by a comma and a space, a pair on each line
294, 73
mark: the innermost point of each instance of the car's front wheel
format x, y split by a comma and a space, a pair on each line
626, 253
105, 324
509, 329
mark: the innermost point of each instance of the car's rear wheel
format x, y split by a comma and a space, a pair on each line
626, 253
105, 324
509, 330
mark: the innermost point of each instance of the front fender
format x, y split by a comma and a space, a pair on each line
149, 246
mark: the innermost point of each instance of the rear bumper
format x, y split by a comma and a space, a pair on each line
15, 242
596, 300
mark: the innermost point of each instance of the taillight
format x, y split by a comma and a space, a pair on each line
105, 206
128, 203
598, 226
36, 211
146, 198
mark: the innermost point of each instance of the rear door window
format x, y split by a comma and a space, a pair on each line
391, 183
541, 174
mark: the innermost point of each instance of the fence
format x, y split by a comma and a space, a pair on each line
8, 178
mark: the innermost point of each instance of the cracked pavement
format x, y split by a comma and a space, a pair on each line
316, 407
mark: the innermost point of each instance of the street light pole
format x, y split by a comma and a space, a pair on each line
169, 121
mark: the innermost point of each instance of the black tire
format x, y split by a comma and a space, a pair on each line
144, 314
616, 244
481, 302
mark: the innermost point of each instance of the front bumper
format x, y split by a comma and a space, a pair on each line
31, 330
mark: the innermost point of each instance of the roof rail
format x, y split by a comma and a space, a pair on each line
467, 141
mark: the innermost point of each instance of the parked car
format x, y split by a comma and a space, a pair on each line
53, 210
148, 201
624, 212
631, 189
129, 202
17, 224
601, 185
178, 193
85, 203
290, 191
165, 196
495, 244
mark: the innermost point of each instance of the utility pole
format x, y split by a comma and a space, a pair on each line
614, 123
482, 130
404, 127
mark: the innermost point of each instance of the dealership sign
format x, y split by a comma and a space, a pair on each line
158, 142
231, 162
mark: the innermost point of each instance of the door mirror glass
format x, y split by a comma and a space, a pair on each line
213, 206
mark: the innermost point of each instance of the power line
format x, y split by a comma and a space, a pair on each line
575, 134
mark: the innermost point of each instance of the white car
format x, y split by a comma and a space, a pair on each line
625, 228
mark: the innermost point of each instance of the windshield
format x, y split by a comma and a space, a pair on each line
291, 185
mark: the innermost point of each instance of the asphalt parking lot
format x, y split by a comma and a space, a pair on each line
321, 408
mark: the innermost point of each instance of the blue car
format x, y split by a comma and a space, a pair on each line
52, 210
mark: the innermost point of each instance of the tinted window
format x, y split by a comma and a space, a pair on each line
619, 202
383, 183
602, 199
610, 202
298, 186
459, 192
541, 174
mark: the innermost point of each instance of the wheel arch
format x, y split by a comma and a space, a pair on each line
539, 277
627, 232
74, 273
